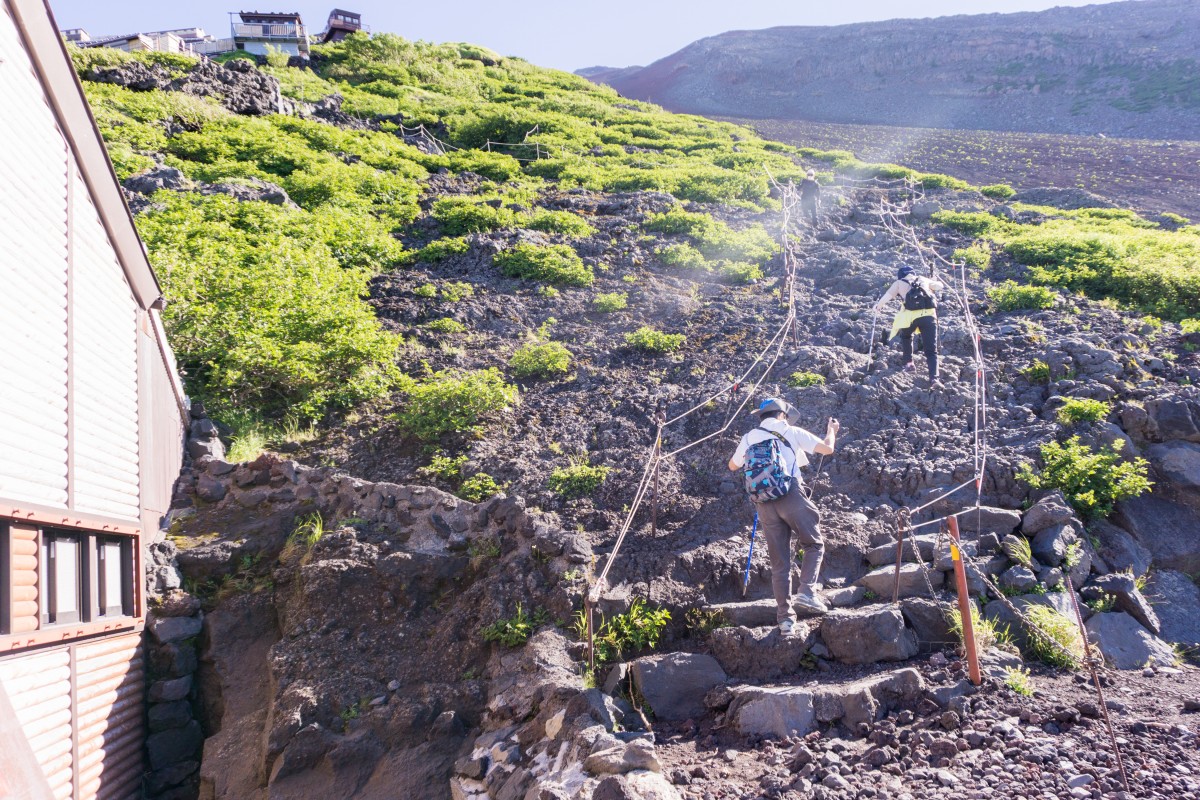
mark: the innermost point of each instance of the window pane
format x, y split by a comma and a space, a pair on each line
66, 575
110, 563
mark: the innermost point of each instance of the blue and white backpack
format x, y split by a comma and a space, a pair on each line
765, 472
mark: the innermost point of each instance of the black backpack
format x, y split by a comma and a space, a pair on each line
918, 298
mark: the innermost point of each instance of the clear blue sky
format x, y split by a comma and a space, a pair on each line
567, 34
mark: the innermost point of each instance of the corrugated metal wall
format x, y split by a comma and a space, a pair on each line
33, 274
23, 561
89, 745
164, 422
104, 364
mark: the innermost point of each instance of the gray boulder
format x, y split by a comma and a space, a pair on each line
930, 622
998, 521
761, 654
882, 581
1174, 418
1178, 462
885, 554
1177, 601
1005, 620
868, 635
1170, 531
1018, 578
622, 758
1123, 587
156, 179
1125, 644
1049, 545
1119, 550
772, 710
1049, 511
675, 684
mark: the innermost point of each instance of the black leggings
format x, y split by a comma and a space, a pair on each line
928, 328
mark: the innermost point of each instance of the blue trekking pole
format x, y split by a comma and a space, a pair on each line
746, 575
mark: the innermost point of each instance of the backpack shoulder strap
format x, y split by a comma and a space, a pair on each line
780, 437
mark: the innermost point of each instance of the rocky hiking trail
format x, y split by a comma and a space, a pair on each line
355, 666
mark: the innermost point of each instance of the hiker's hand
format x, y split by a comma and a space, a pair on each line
834, 426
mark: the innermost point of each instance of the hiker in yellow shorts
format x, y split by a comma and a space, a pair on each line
918, 312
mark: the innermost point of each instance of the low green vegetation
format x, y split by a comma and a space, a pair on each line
649, 340
577, 480
1037, 372
514, 631
978, 255
1012, 296
987, 635
441, 249
561, 222
626, 634
1092, 482
1102, 252
799, 380
998, 191
447, 403
1077, 409
304, 536
701, 623
1019, 680
445, 325
554, 263
479, 487
608, 302
540, 360
1056, 641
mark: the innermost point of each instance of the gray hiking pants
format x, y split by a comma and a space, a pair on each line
778, 520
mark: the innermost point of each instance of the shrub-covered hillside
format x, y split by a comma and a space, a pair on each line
267, 312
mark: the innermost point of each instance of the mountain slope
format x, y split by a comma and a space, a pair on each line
1127, 69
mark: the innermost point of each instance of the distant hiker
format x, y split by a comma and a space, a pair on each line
918, 312
770, 457
810, 196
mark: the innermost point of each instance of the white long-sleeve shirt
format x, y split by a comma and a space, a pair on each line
800, 440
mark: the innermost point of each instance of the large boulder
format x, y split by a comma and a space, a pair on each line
1123, 587
1170, 531
886, 553
1125, 644
1173, 418
1000, 521
930, 622
761, 654
882, 581
867, 635
1005, 620
1018, 579
675, 684
1049, 545
1119, 550
1177, 602
1178, 462
1051, 510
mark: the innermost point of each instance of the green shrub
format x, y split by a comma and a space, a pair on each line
514, 631
563, 222
444, 468
625, 634
455, 291
577, 480
445, 325
555, 263
1056, 641
997, 191
682, 256
1019, 680
649, 340
740, 272
276, 57
987, 635
454, 402
1077, 409
977, 255
479, 487
1012, 296
610, 302
798, 380
441, 249
968, 222
540, 360
1190, 325
1037, 372
426, 290
459, 215
1091, 482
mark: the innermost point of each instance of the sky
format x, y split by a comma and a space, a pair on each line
565, 34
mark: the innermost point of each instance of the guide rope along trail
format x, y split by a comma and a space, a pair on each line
760, 367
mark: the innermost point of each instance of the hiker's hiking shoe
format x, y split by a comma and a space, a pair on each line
809, 603
787, 627
936, 384
908, 367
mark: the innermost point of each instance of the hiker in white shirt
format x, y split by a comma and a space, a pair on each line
909, 319
792, 513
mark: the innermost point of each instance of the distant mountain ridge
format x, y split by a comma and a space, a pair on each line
1125, 69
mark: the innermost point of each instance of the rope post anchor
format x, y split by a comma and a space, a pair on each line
964, 604
901, 525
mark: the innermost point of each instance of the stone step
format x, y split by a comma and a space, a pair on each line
882, 581
798, 710
757, 613
886, 553
867, 635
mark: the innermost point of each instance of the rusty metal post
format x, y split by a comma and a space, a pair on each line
901, 524
964, 604
587, 609
660, 418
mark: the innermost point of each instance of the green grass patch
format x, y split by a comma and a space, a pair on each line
997, 191
1077, 409
649, 340
540, 360
799, 380
608, 302
448, 403
1012, 296
577, 480
555, 264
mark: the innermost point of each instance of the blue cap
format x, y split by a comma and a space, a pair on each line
904, 272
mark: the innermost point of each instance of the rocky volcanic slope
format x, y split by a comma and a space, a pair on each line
343, 651
1123, 69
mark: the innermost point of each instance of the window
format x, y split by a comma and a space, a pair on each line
114, 564
62, 578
